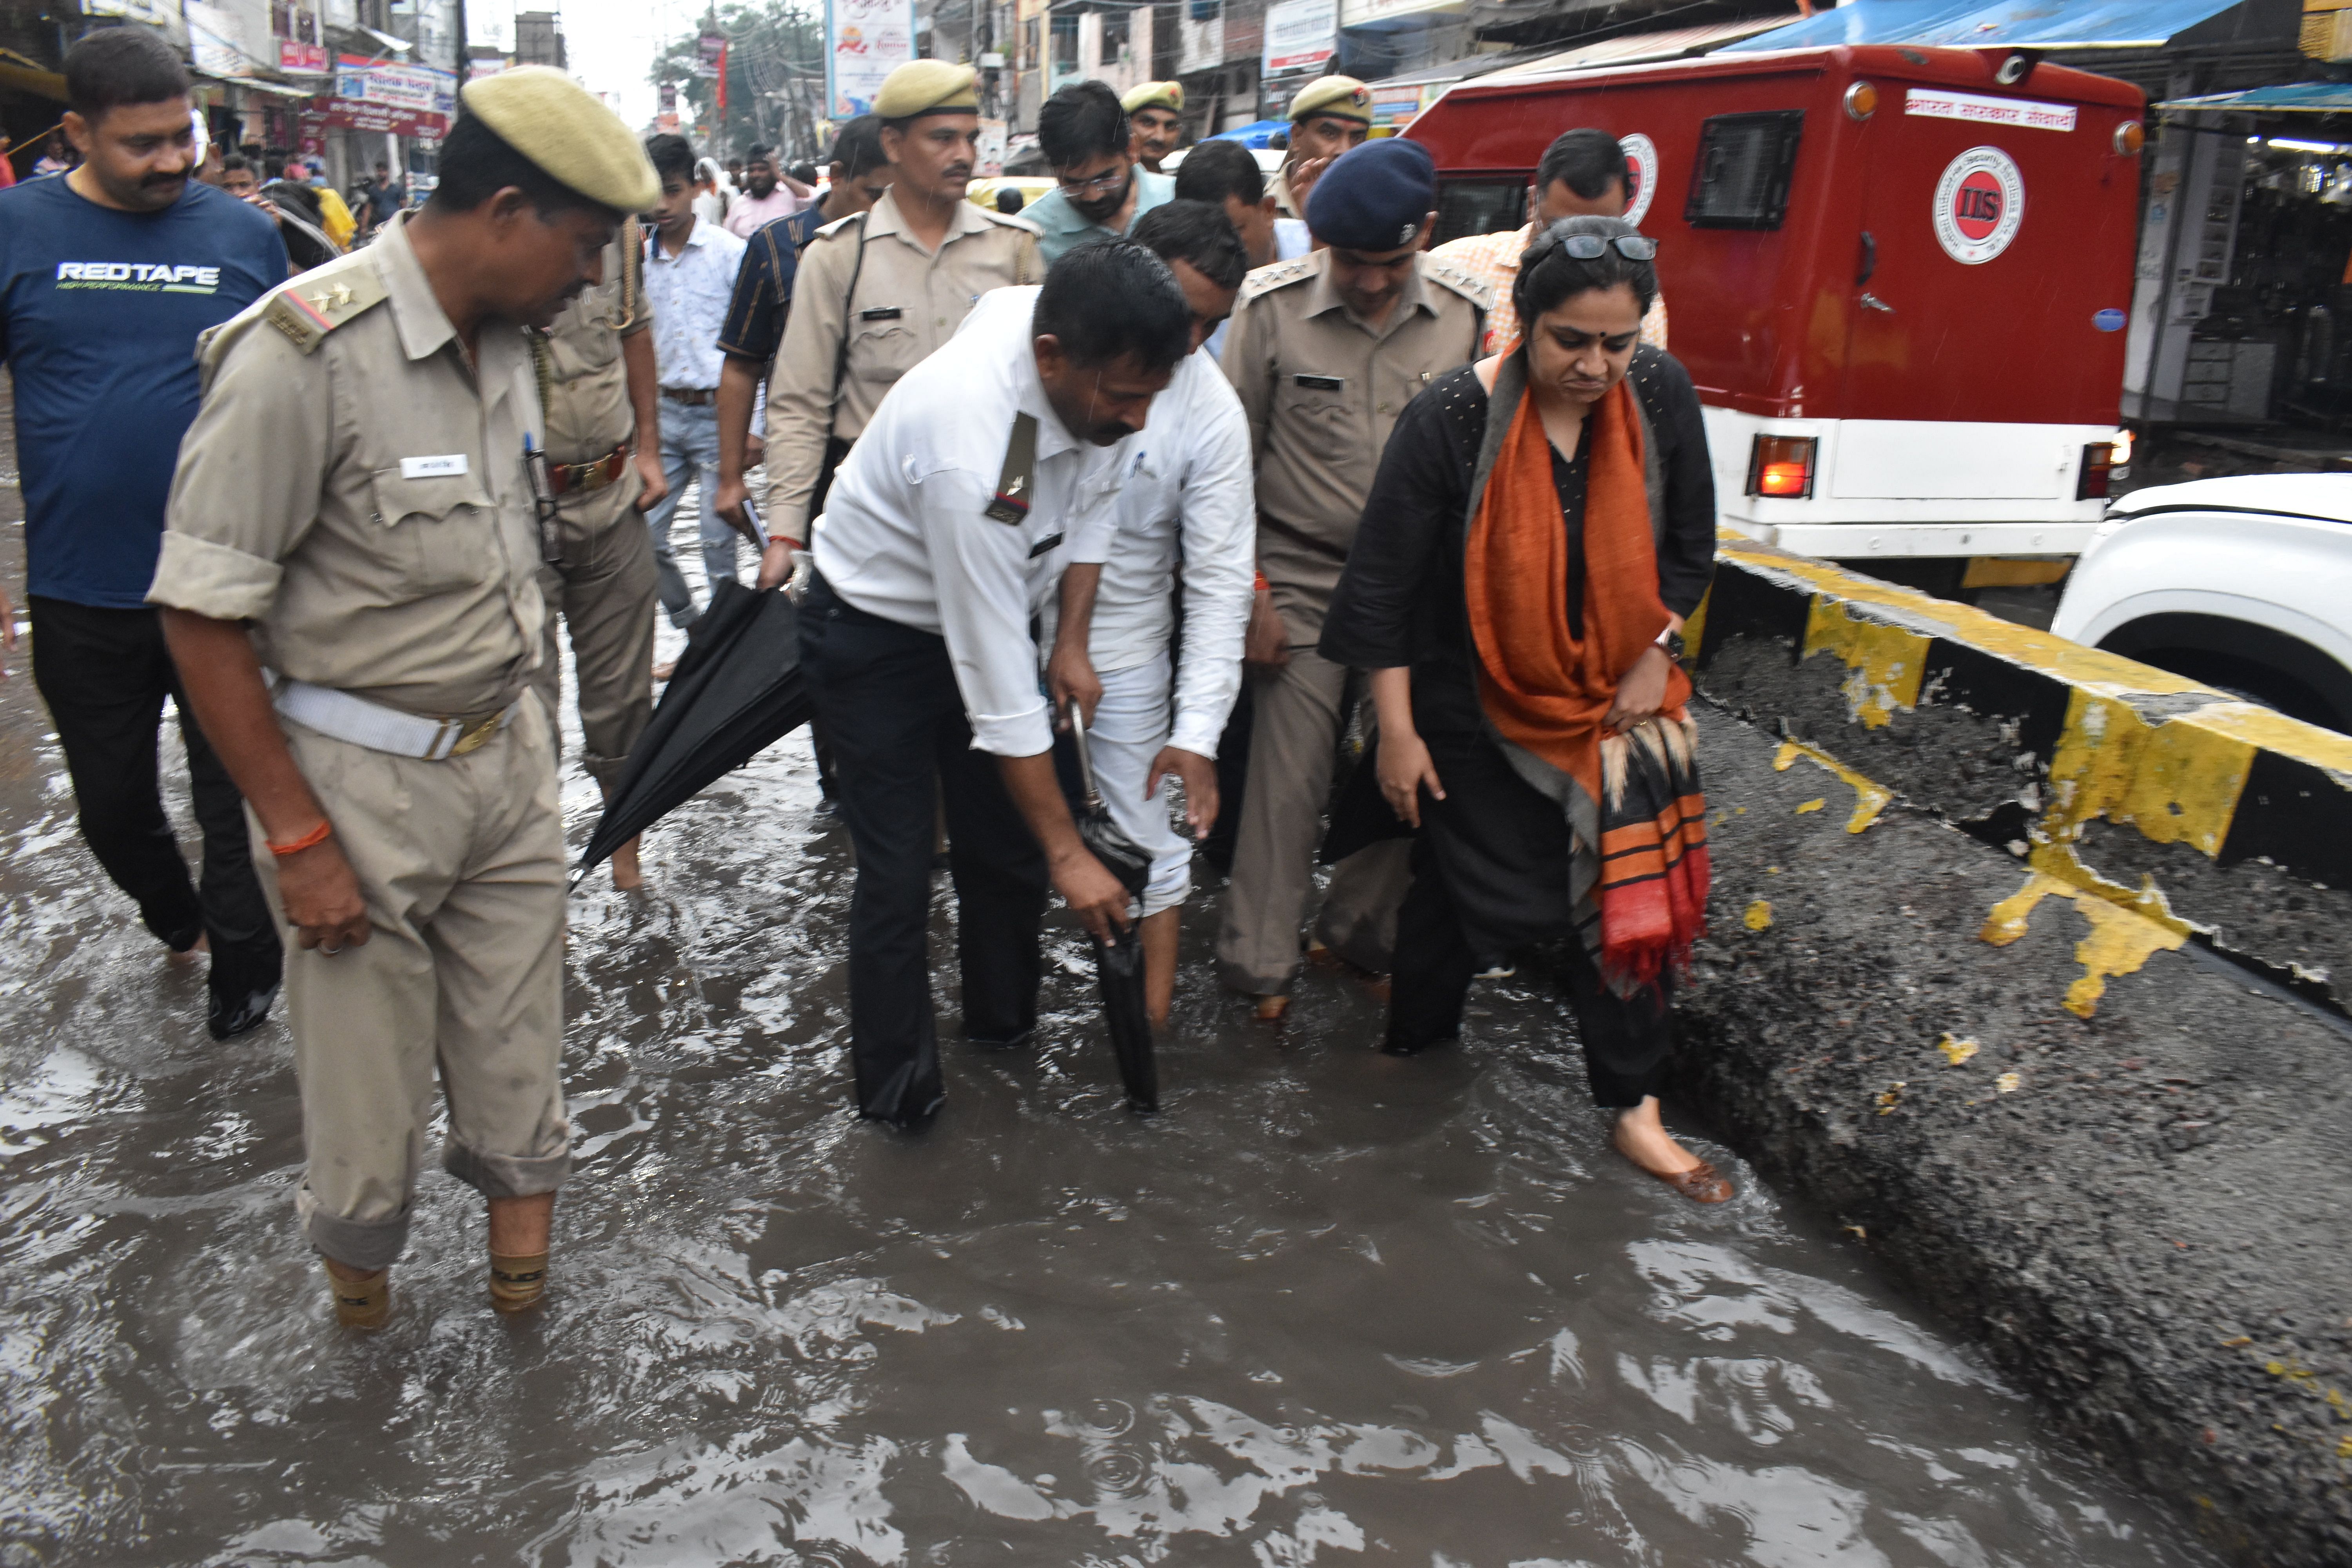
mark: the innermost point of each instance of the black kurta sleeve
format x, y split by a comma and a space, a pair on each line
1686, 551
1381, 614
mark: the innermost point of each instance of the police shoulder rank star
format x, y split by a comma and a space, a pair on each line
310, 308
1014, 484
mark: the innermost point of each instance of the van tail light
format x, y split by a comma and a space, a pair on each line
2098, 460
1782, 465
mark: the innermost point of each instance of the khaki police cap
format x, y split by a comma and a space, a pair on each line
567, 133
1341, 96
1166, 95
927, 87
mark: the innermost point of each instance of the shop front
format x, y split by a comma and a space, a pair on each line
2243, 286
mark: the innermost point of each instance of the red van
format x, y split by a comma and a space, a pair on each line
1900, 276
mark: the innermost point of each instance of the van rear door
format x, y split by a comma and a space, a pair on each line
1988, 275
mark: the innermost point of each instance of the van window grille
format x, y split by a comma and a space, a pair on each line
1465, 207
1744, 164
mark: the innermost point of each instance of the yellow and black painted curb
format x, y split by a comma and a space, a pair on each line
2090, 737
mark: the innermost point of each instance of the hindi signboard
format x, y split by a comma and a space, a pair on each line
1300, 35
865, 40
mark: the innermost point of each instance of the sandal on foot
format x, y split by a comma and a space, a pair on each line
1270, 1009
517, 1283
361, 1303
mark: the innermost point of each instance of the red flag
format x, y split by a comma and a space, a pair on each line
723, 89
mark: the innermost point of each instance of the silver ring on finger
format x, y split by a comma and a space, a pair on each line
330, 951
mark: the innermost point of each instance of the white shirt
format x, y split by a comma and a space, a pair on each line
906, 534
1195, 479
690, 291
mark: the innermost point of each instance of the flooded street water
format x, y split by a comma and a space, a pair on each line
1328, 1308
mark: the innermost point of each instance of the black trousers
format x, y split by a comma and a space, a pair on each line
1625, 1038
886, 696
104, 675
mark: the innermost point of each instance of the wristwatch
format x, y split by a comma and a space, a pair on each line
1671, 641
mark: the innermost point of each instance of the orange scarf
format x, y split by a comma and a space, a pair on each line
1547, 692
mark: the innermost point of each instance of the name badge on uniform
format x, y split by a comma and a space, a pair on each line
1321, 383
446, 467
1020, 475
881, 313
1044, 544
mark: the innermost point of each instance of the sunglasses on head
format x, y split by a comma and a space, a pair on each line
1590, 247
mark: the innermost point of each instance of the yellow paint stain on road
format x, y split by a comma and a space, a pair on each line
1759, 916
1956, 1049
1813, 805
2121, 940
2008, 1083
1869, 798
1884, 661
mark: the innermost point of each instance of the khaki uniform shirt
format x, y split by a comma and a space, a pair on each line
356, 490
583, 383
908, 301
1323, 389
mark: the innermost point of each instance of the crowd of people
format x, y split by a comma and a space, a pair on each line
1237, 473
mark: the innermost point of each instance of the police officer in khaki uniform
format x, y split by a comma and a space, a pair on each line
1328, 116
1326, 351
878, 292
597, 382
1155, 119
358, 621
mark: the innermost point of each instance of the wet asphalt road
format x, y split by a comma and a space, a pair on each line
1329, 1308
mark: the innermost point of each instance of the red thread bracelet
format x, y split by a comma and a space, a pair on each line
315, 836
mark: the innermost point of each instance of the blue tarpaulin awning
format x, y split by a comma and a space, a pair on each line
2012, 24
2293, 98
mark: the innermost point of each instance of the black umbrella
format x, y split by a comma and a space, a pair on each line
737, 689
1121, 967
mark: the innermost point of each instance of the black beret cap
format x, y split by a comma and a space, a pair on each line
1374, 196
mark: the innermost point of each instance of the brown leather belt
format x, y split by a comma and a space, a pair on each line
583, 479
693, 394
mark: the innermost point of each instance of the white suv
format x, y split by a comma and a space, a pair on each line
2244, 584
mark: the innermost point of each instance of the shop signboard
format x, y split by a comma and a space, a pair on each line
1300, 35
710, 50
296, 56
416, 89
1396, 107
406, 101
222, 41
864, 41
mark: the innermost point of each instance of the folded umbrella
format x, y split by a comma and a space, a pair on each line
737, 689
1120, 967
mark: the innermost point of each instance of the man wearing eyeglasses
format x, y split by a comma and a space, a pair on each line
1082, 131
1326, 352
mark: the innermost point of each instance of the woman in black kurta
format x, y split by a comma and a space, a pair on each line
1490, 864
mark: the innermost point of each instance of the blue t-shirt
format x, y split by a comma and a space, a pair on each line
98, 315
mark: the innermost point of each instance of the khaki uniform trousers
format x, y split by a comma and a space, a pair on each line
1295, 733
604, 591
461, 863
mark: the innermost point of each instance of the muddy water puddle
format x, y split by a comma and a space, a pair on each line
1329, 1308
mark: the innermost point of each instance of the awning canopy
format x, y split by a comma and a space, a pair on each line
2012, 23
2293, 98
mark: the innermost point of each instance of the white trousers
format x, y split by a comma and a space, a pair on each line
1136, 718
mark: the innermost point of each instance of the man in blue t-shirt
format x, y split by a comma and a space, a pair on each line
107, 277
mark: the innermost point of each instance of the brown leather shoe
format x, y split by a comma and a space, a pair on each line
1702, 1184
